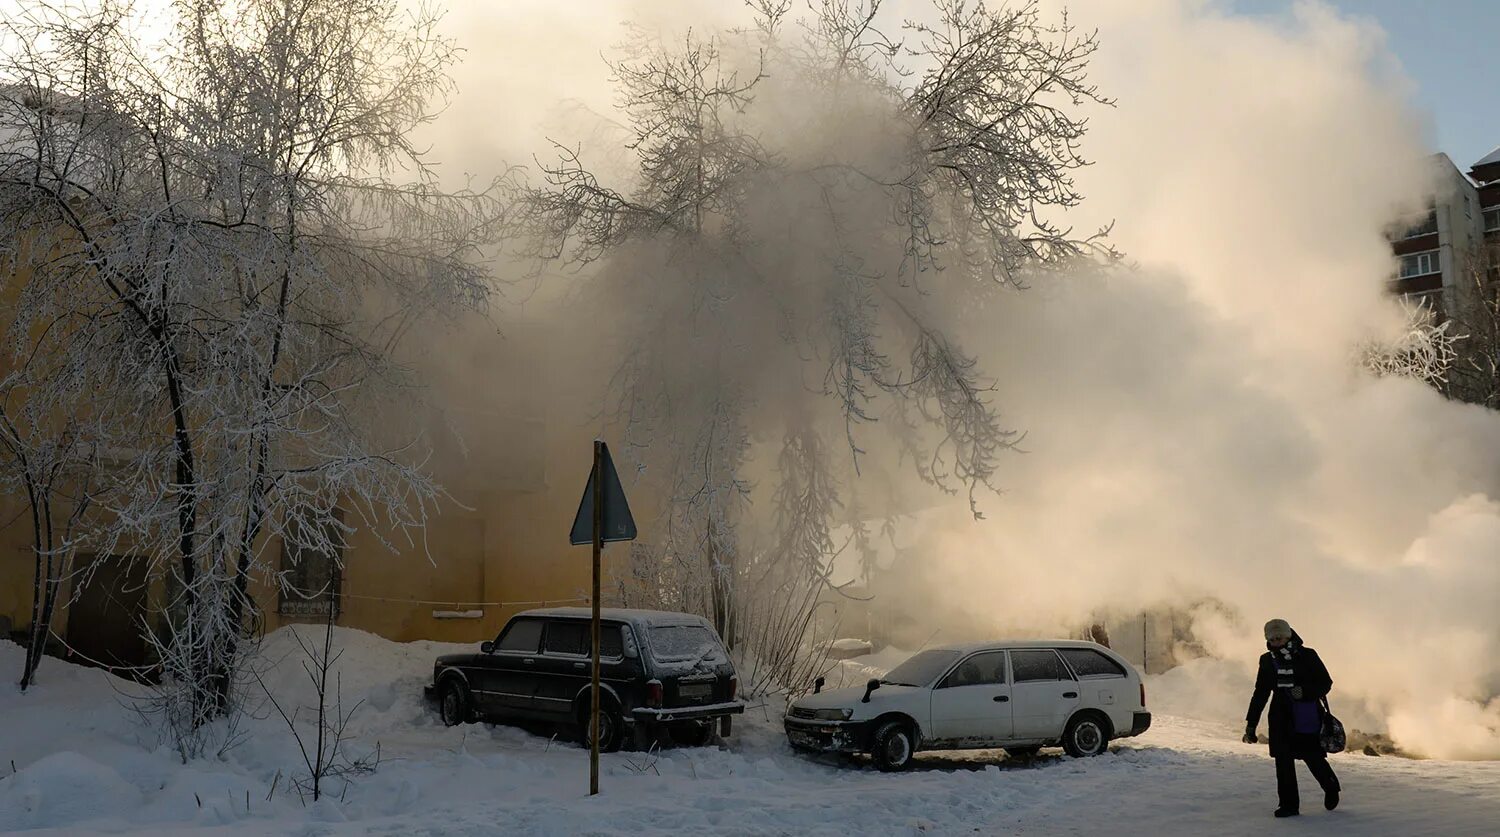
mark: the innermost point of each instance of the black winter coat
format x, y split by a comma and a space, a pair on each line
1308, 672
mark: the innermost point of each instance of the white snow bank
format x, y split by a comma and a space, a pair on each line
63, 789
86, 766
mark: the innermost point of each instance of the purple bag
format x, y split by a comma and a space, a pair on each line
1306, 717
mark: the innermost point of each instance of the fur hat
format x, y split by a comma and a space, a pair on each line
1278, 629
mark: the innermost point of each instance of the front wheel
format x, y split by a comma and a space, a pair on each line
1087, 734
893, 746
454, 704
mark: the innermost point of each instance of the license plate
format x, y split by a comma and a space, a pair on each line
694, 691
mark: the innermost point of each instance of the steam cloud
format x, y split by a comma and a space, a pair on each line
1196, 427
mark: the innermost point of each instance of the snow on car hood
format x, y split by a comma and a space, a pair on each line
849, 697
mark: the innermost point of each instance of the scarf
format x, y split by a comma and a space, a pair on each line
1285, 659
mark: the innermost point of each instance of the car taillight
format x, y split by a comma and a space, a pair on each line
653, 694
734, 687
1143, 695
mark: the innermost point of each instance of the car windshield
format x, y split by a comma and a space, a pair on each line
921, 669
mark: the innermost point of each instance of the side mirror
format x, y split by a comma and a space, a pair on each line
486, 647
818, 685
870, 687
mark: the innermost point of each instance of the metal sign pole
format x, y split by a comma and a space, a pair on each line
594, 627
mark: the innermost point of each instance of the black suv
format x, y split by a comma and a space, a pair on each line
660, 673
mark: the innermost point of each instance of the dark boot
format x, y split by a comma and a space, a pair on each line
1286, 812
1323, 772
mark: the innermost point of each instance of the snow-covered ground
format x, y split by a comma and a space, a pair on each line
84, 764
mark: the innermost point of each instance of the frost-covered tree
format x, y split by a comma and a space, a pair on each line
222, 238
1424, 349
812, 208
50, 466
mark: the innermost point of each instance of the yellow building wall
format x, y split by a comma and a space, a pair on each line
17, 564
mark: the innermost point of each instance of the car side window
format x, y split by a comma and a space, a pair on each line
572, 638
611, 645
1032, 666
1086, 662
524, 636
567, 637
983, 669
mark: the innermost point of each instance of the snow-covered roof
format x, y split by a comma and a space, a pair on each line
634, 617
995, 645
1492, 157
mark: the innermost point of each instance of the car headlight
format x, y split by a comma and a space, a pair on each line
832, 714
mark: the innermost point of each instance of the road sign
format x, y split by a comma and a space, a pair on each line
618, 523
603, 515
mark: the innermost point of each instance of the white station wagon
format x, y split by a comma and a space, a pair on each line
1018, 695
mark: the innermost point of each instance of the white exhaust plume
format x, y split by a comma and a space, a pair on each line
1196, 428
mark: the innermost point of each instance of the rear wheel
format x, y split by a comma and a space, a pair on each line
1087, 734
893, 746
611, 729
454, 704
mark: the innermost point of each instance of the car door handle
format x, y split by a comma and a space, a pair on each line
527, 661
1070, 694
580, 665
1002, 698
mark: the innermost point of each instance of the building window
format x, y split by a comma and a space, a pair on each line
312, 567
1419, 264
1427, 226
1492, 219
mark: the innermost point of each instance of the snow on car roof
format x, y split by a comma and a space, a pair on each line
1003, 644
635, 617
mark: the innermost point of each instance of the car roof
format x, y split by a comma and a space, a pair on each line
1007, 644
634, 617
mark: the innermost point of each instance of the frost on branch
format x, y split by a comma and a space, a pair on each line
810, 210
1424, 350
216, 256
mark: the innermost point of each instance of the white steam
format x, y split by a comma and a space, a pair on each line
1196, 428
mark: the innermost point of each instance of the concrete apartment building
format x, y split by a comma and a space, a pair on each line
1438, 258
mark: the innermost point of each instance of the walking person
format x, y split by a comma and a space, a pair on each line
1295, 681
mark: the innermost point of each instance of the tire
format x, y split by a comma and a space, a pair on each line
693, 733
612, 732
1023, 752
454, 704
1087, 734
893, 746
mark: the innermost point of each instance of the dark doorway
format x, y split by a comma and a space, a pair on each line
105, 618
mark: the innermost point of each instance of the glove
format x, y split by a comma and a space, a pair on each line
1250, 737
1296, 693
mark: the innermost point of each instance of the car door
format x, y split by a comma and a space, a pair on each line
564, 667
972, 703
505, 680
1043, 693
